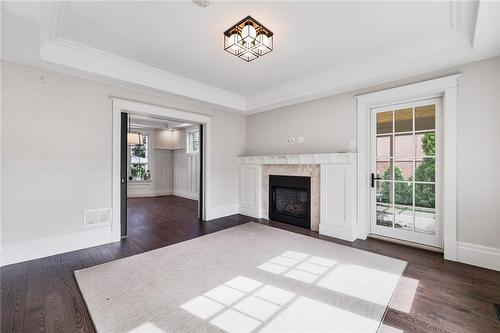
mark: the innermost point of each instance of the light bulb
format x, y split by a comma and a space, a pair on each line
234, 38
234, 42
248, 33
264, 44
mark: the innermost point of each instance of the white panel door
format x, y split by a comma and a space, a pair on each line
406, 177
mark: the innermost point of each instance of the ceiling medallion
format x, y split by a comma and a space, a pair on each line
248, 39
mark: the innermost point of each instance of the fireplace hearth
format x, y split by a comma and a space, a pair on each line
290, 200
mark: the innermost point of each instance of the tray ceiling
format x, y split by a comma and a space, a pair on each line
320, 47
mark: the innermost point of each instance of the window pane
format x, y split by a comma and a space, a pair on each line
403, 217
403, 193
403, 145
139, 159
404, 120
138, 151
138, 171
425, 144
384, 122
384, 192
425, 195
425, 170
385, 215
384, 170
194, 142
425, 221
384, 147
425, 117
403, 170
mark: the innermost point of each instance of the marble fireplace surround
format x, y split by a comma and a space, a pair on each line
308, 170
333, 188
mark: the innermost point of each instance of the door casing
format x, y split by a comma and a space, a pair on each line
402, 234
120, 105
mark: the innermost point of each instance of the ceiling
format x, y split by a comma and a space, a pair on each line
320, 48
184, 39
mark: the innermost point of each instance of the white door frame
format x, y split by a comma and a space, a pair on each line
124, 105
445, 87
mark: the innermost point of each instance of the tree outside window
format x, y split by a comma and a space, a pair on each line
139, 159
425, 195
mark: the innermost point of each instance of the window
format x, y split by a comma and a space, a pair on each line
193, 143
139, 159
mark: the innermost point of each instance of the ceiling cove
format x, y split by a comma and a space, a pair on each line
468, 19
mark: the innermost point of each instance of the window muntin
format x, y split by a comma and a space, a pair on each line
405, 159
193, 142
140, 160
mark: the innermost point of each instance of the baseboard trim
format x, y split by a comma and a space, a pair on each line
479, 255
150, 194
252, 212
221, 211
406, 243
337, 232
24, 251
187, 195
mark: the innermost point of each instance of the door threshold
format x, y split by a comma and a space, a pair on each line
407, 243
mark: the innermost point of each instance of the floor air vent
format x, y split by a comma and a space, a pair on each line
497, 309
97, 217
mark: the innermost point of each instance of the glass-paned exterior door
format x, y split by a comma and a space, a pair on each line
405, 172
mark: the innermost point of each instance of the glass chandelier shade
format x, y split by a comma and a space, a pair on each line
248, 39
134, 138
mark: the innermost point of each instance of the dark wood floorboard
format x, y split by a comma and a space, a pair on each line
42, 295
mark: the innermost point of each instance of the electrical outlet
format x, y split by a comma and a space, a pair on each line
300, 139
290, 140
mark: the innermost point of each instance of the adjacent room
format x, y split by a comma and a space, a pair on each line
250, 166
163, 173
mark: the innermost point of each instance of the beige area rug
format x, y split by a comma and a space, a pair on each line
249, 278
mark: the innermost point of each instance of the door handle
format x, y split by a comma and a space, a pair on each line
374, 179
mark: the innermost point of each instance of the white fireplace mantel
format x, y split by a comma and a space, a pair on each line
299, 159
337, 189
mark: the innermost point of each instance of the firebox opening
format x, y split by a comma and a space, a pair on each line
290, 200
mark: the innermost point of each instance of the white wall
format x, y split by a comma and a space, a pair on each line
478, 158
186, 174
329, 123
186, 168
57, 148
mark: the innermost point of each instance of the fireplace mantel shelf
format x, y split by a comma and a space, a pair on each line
326, 158
337, 188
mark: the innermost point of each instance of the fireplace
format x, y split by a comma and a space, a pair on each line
290, 200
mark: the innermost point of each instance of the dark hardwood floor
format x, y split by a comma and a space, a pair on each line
42, 296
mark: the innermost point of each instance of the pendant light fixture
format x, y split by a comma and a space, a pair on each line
248, 39
133, 138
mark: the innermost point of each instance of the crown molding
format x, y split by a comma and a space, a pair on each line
358, 74
81, 57
67, 53
51, 16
